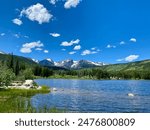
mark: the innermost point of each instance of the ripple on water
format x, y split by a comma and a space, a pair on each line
95, 96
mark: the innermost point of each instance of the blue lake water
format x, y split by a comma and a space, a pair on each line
95, 95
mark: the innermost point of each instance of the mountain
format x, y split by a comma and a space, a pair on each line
138, 66
71, 64
81, 64
22, 60
47, 62
1, 52
61, 65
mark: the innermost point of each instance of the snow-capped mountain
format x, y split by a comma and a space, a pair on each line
1, 52
47, 62
35, 60
71, 64
65, 64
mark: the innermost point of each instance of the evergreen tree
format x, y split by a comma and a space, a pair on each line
11, 64
17, 69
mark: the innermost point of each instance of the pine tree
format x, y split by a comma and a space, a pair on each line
17, 68
11, 64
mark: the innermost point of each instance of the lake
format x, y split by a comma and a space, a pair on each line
100, 96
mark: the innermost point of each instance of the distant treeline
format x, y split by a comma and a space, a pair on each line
13, 69
95, 73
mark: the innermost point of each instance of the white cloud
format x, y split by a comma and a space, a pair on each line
33, 44
88, 52
70, 43
2, 34
93, 48
37, 13
25, 50
63, 49
46, 51
110, 46
94, 52
17, 21
26, 36
27, 47
55, 34
53, 2
78, 47
122, 43
129, 58
72, 52
17, 35
38, 49
133, 40
71, 3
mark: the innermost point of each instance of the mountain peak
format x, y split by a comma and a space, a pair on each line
35, 60
1, 52
50, 60
71, 64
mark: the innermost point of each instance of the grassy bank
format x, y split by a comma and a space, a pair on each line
64, 77
18, 101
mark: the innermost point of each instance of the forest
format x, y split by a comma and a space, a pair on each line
14, 69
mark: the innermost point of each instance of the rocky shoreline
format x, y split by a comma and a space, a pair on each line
28, 84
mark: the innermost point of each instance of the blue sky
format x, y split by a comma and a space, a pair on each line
111, 31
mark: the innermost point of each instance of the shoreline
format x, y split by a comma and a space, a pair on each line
74, 78
27, 84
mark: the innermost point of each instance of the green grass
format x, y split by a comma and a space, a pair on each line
68, 77
18, 101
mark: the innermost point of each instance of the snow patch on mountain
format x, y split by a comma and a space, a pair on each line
71, 64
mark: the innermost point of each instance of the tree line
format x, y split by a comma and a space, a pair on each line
13, 69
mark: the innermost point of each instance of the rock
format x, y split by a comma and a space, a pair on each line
54, 89
131, 95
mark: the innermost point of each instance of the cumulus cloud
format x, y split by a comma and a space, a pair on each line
72, 52
65, 43
71, 3
46, 51
93, 48
122, 43
78, 47
17, 21
129, 58
88, 52
110, 46
55, 34
53, 2
37, 13
2, 34
38, 49
25, 50
133, 40
27, 47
